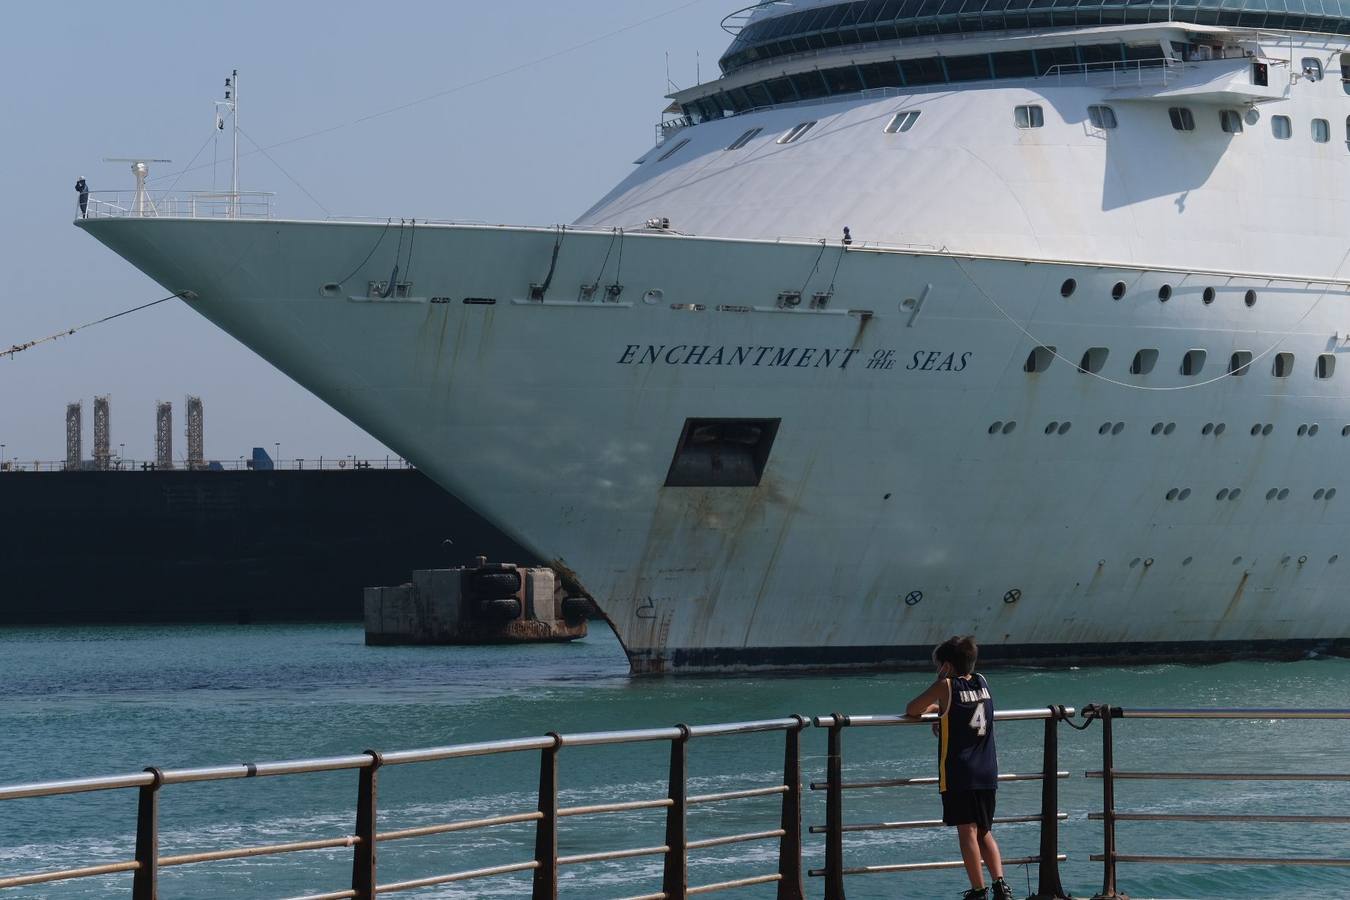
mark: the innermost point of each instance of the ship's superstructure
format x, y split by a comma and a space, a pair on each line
920, 319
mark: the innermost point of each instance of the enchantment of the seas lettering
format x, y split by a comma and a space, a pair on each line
739, 355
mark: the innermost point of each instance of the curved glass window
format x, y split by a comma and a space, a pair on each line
1181, 117
1282, 129
867, 21
1230, 120
1102, 117
902, 121
1028, 117
1321, 130
1312, 68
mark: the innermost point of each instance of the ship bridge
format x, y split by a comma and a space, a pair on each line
789, 51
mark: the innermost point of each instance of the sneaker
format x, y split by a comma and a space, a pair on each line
1002, 891
976, 894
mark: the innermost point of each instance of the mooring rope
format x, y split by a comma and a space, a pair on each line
19, 348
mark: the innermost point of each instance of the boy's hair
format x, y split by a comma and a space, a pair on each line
960, 651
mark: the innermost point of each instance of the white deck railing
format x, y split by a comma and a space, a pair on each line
180, 205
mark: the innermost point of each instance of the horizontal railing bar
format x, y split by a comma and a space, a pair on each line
705, 843
332, 895
611, 854
68, 874
932, 823
260, 770
1228, 713
924, 867
736, 795
921, 780
76, 786
463, 825
659, 895
459, 751
718, 730
735, 883
634, 736
1222, 776
184, 859
1005, 715
1227, 860
615, 807
456, 876
1218, 817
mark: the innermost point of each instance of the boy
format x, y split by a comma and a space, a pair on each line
967, 760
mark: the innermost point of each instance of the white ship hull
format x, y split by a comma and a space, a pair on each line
887, 516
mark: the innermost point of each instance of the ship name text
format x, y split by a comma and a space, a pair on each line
739, 355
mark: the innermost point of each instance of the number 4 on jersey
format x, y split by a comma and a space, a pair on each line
977, 721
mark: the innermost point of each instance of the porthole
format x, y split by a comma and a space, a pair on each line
1118, 290
1345, 431
1187, 561
1008, 427
1158, 427
1266, 430
1050, 429
1208, 429
1068, 287
1249, 298
1169, 427
1220, 429
1165, 293
1236, 560
1239, 362
1312, 430
1185, 492
1334, 557
1331, 492
331, 289
1193, 362
654, 296
1256, 429
1106, 428
1222, 494
1172, 494
1117, 428
1283, 366
1284, 492
1143, 362
996, 428
1134, 562
1302, 430
1094, 358
1039, 359
1064, 427
1207, 297
1317, 494
1326, 365
1270, 494
1234, 493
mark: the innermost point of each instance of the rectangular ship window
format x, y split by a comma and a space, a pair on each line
1028, 116
1103, 117
1321, 130
722, 452
1181, 117
1230, 120
744, 139
1281, 127
902, 121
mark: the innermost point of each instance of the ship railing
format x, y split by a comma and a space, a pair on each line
1110, 816
1048, 815
350, 462
132, 204
1119, 72
546, 817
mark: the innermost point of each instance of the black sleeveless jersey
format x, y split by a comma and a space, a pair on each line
967, 760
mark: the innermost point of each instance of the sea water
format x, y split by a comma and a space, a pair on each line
87, 701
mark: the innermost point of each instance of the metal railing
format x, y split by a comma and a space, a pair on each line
1109, 775
351, 462
1048, 815
179, 205
147, 861
1162, 68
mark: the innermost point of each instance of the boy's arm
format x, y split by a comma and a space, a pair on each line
931, 700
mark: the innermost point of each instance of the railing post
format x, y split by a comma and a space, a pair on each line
675, 878
834, 809
790, 845
546, 829
363, 854
1048, 886
1106, 714
145, 882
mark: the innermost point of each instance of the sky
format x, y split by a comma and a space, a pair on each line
529, 112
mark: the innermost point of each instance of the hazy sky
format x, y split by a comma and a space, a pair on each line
83, 81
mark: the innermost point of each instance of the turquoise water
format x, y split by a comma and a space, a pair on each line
110, 700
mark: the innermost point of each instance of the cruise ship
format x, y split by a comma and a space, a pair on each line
924, 317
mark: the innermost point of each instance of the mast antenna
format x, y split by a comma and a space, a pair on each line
231, 105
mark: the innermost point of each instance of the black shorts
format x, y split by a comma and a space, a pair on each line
967, 807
